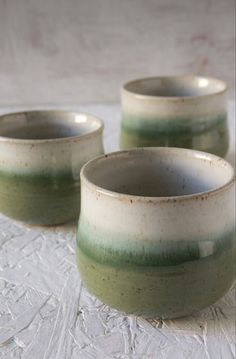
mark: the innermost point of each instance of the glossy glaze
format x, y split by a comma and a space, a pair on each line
41, 154
156, 231
188, 112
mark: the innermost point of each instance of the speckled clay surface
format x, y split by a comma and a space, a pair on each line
156, 230
188, 112
41, 154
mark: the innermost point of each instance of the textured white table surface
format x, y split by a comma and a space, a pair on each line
45, 312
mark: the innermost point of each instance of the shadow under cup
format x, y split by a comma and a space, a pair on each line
186, 111
156, 230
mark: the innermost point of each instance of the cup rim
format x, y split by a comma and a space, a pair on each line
147, 199
53, 140
175, 77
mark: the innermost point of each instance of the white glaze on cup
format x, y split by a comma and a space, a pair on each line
41, 154
156, 232
175, 111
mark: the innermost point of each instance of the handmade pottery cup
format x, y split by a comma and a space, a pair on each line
186, 111
41, 154
156, 230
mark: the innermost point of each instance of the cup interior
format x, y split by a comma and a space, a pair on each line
160, 172
45, 125
176, 86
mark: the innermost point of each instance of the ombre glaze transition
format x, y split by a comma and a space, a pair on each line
41, 154
188, 112
156, 230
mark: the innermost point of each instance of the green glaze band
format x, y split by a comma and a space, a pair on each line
120, 250
41, 155
159, 273
205, 134
44, 198
166, 253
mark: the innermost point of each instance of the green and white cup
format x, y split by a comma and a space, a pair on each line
156, 233
41, 154
185, 111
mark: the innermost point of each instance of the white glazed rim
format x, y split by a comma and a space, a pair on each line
147, 199
174, 98
99, 122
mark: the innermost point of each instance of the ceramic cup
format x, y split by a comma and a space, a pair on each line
156, 230
41, 154
188, 112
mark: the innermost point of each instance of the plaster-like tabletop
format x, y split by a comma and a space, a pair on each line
45, 312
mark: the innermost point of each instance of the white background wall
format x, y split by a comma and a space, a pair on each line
80, 51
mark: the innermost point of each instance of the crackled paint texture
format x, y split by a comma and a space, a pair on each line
46, 313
